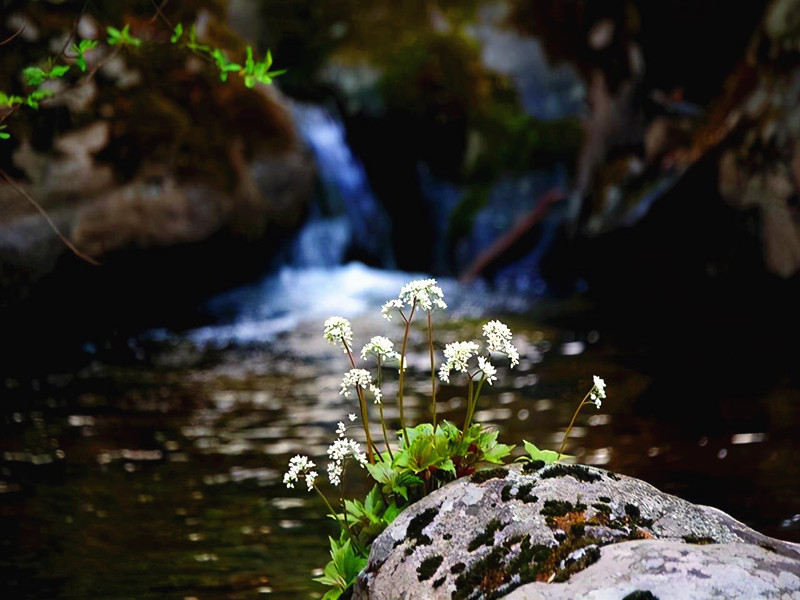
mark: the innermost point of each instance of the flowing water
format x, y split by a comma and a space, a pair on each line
158, 475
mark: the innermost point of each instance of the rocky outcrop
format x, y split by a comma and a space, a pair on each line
137, 159
562, 531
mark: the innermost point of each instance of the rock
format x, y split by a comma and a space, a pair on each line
143, 159
665, 569
484, 536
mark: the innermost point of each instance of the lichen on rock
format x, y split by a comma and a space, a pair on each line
486, 538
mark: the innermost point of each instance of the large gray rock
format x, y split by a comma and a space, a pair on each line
484, 536
667, 569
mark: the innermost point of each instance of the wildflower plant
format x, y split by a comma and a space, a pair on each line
416, 460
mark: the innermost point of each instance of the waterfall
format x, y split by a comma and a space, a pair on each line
346, 218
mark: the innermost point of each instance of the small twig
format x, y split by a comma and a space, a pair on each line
52, 225
160, 13
14, 35
74, 28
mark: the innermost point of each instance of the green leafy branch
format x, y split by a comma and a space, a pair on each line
251, 72
123, 37
80, 49
34, 77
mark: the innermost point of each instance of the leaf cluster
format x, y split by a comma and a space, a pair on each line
342, 570
252, 71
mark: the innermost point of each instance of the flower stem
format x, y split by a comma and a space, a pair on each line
433, 372
380, 408
336, 517
469, 405
571, 423
363, 406
402, 374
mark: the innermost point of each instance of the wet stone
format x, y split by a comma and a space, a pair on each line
494, 538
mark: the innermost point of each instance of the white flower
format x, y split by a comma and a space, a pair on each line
386, 309
299, 466
341, 429
339, 451
335, 472
457, 355
380, 347
355, 378
498, 339
311, 476
359, 378
488, 369
337, 330
599, 387
424, 292
597, 403
352, 417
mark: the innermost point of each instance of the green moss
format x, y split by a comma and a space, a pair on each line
602, 508
418, 523
523, 493
428, 567
635, 516
578, 472
571, 565
485, 475
699, 540
534, 465
486, 538
559, 508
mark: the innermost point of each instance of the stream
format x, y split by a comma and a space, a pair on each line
156, 473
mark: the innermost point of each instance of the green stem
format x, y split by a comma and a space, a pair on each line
380, 408
469, 404
335, 515
403, 373
433, 372
475, 399
571, 423
363, 406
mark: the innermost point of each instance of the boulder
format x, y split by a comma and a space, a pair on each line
562, 531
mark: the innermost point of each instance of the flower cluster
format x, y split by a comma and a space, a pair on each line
386, 309
456, 354
300, 466
339, 451
338, 331
489, 370
598, 391
425, 294
380, 347
359, 378
498, 339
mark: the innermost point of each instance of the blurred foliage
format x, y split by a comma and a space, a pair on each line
165, 107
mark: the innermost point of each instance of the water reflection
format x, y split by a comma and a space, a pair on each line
161, 478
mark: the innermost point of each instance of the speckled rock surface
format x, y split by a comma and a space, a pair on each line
675, 570
484, 536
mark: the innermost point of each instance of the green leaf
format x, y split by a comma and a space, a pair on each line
122, 38
10, 100
178, 32
33, 76
342, 570
548, 456
3, 134
58, 71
